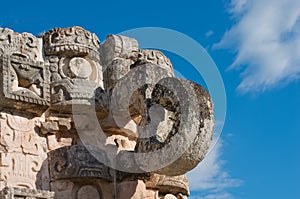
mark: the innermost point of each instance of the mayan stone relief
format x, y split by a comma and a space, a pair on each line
84, 119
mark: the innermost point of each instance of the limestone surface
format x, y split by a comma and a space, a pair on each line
84, 119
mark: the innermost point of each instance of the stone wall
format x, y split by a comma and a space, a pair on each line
80, 119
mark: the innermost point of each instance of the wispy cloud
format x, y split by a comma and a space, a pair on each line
209, 33
266, 39
214, 196
210, 179
237, 6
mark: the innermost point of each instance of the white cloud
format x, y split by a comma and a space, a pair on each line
266, 39
214, 196
210, 178
237, 6
209, 33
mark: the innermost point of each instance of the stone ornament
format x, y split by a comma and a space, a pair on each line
72, 55
23, 83
81, 119
70, 41
15, 192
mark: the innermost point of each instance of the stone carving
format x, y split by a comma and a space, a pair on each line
169, 184
23, 151
89, 120
155, 57
59, 132
23, 83
22, 193
73, 58
198, 144
87, 191
76, 162
118, 53
20, 45
73, 41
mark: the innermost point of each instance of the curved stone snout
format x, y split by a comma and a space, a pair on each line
170, 119
181, 128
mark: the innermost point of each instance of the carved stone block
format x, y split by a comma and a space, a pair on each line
23, 154
21, 45
23, 83
23, 193
56, 90
169, 184
76, 162
72, 55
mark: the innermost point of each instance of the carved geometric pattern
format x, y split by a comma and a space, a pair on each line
46, 81
18, 75
22, 193
76, 162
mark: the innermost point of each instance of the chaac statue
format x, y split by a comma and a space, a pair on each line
80, 119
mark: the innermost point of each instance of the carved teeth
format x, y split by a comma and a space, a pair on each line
74, 40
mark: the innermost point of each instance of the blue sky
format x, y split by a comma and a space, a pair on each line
256, 47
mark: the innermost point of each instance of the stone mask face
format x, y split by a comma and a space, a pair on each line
103, 108
72, 55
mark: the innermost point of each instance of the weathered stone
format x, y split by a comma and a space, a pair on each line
191, 134
135, 190
170, 196
72, 55
23, 193
169, 184
88, 191
118, 53
155, 57
23, 85
21, 45
76, 162
48, 127
70, 41
24, 151
91, 120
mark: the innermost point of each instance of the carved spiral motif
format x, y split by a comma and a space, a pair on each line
60, 166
